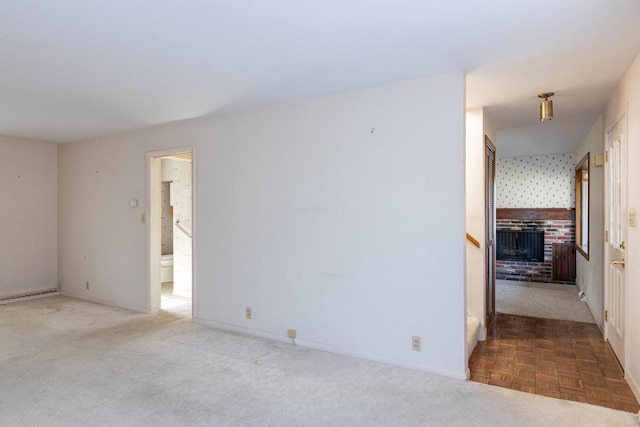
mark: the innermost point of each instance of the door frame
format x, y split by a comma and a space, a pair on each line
490, 238
153, 221
624, 120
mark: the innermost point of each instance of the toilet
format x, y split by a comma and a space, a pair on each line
166, 268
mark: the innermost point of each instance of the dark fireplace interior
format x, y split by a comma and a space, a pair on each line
520, 245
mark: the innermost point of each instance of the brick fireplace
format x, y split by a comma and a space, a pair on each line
558, 226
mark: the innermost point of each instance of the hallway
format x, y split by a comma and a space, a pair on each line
555, 358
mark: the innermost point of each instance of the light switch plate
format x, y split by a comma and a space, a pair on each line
632, 218
598, 160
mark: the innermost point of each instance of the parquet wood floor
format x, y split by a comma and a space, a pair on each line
556, 358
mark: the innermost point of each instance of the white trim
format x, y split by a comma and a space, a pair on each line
483, 334
627, 286
106, 302
194, 227
152, 297
323, 347
633, 384
599, 322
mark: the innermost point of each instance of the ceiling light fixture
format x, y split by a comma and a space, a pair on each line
546, 106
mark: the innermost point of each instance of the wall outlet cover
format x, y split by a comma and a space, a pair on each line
416, 343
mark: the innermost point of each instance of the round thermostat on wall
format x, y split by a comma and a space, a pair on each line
133, 203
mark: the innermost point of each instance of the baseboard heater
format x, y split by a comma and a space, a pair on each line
32, 294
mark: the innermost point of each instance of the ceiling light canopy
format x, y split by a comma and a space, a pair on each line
546, 106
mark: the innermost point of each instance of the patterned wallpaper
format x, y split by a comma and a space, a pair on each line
167, 219
545, 181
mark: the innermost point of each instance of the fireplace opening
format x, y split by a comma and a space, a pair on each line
520, 245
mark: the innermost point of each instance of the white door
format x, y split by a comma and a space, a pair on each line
615, 236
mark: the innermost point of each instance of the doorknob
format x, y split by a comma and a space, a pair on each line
621, 262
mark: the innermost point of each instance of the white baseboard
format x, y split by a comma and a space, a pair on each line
633, 384
106, 302
599, 322
483, 333
329, 349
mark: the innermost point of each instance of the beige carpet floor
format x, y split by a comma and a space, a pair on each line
543, 300
65, 362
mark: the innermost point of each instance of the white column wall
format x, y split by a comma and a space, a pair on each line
590, 273
478, 125
28, 216
340, 216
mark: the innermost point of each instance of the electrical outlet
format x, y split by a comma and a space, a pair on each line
291, 333
248, 312
416, 343
87, 285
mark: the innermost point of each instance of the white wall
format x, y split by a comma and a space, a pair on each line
489, 128
28, 216
628, 95
340, 216
590, 273
478, 125
101, 238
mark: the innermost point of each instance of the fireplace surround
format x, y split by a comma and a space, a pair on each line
520, 245
556, 225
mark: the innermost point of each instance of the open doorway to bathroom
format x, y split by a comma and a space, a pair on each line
170, 232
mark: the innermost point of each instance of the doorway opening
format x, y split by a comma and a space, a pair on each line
535, 238
170, 232
543, 338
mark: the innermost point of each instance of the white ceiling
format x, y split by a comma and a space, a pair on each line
78, 69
